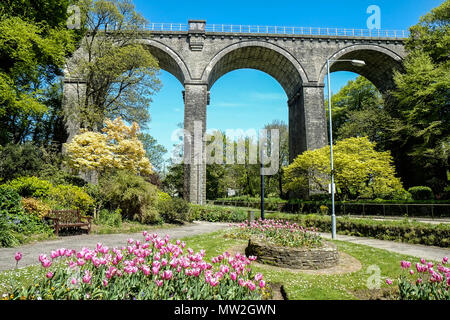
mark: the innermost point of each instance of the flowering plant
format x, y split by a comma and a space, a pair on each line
279, 232
426, 282
154, 269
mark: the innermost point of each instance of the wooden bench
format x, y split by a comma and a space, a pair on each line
69, 219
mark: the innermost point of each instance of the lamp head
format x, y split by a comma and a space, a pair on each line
358, 63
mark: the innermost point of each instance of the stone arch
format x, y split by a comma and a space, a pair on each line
379, 69
168, 59
263, 56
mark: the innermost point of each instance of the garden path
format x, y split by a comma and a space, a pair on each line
415, 250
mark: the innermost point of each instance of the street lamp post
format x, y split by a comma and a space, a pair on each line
262, 183
358, 63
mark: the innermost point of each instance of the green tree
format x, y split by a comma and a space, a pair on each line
423, 102
120, 73
155, 152
360, 171
32, 55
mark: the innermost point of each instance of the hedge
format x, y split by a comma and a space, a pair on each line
217, 214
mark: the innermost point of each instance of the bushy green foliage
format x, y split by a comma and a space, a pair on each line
15, 223
109, 218
18, 160
421, 193
59, 196
31, 187
136, 197
217, 214
70, 197
9, 199
172, 209
360, 171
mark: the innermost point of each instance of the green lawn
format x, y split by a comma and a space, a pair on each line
298, 286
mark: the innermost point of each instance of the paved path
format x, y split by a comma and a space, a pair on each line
31, 252
415, 250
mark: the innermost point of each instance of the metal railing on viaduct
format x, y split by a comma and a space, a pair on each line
283, 30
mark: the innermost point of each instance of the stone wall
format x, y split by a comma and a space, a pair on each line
295, 258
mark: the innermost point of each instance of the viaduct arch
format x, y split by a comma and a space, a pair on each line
198, 58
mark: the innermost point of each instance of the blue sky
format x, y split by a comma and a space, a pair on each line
244, 99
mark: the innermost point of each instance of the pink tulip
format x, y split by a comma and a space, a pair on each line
49, 275
389, 281
167, 275
251, 285
262, 284
87, 277
18, 256
46, 263
444, 260
80, 262
159, 283
233, 276
146, 270
258, 277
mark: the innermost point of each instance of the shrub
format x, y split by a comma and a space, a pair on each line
152, 269
110, 218
172, 209
9, 199
70, 197
15, 224
129, 192
35, 207
217, 214
151, 216
421, 193
21, 160
7, 238
31, 187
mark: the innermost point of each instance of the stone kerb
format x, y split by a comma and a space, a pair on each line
326, 256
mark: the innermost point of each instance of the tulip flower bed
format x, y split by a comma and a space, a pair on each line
154, 269
425, 282
278, 232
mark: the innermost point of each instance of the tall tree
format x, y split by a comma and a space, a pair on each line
32, 54
423, 96
120, 74
155, 151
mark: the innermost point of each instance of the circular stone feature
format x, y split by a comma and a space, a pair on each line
326, 256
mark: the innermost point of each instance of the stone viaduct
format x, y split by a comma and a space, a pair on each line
198, 56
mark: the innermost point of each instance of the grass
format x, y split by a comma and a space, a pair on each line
302, 286
298, 286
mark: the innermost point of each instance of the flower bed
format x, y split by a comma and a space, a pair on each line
285, 244
153, 269
278, 232
322, 257
426, 282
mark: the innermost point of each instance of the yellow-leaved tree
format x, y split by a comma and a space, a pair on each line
359, 171
118, 147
